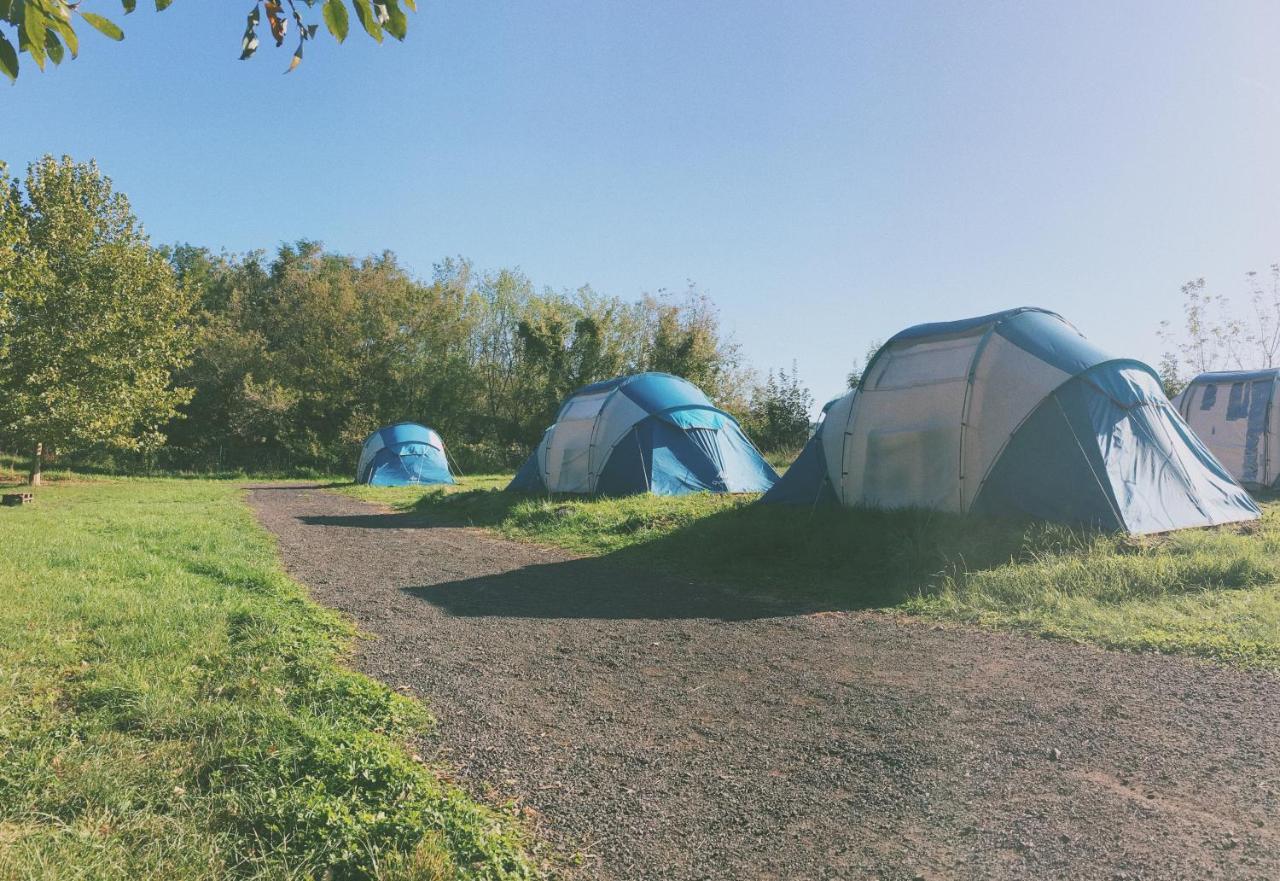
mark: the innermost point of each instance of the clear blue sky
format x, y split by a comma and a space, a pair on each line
828, 172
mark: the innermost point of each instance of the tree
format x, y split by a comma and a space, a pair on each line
14, 270
1213, 336
684, 338
96, 326
778, 418
46, 29
855, 375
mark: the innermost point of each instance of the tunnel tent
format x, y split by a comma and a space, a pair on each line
404, 454
649, 432
1233, 414
1013, 414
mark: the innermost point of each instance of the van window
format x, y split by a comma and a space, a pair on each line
1238, 403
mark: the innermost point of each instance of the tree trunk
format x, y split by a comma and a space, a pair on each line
36, 461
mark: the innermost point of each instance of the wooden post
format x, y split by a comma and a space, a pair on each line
36, 462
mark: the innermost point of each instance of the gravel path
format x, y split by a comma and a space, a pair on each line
667, 730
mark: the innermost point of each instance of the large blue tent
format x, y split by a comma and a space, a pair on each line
650, 432
1014, 414
403, 454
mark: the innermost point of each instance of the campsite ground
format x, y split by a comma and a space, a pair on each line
674, 726
677, 687
171, 707
1209, 592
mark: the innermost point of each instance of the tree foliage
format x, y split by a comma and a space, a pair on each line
1215, 334
778, 418
855, 375
298, 357
46, 30
95, 323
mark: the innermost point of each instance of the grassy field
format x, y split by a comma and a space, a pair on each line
171, 707
1213, 593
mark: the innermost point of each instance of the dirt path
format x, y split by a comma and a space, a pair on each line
667, 730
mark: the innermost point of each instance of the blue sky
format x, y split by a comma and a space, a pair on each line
828, 172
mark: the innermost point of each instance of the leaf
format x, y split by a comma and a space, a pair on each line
276, 21
335, 18
103, 25
8, 59
68, 36
53, 47
367, 19
250, 42
397, 24
296, 60
31, 36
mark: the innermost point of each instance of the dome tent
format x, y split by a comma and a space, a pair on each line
1014, 414
1232, 413
650, 432
403, 454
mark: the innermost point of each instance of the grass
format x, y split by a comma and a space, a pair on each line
172, 707
1213, 593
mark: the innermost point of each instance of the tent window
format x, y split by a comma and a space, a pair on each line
926, 364
1238, 404
1209, 398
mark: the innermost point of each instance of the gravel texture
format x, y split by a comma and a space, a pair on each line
655, 728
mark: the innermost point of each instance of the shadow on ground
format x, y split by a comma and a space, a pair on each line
743, 562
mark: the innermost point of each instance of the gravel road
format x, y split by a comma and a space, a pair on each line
662, 729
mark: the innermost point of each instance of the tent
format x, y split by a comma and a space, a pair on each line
402, 455
650, 432
1014, 414
1232, 414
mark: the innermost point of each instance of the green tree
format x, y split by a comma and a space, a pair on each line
14, 269
778, 418
46, 31
855, 375
684, 338
97, 325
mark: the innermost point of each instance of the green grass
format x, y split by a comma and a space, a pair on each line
172, 707
1211, 592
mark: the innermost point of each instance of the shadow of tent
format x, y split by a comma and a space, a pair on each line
754, 561
369, 521
602, 588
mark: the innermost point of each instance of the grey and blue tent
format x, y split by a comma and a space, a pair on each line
403, 454
650, 432
1014, 414
1233, 412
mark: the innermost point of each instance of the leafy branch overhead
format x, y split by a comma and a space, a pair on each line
45, 30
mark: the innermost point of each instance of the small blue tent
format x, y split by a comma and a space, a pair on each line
650, 432
1015, 414
402, 455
